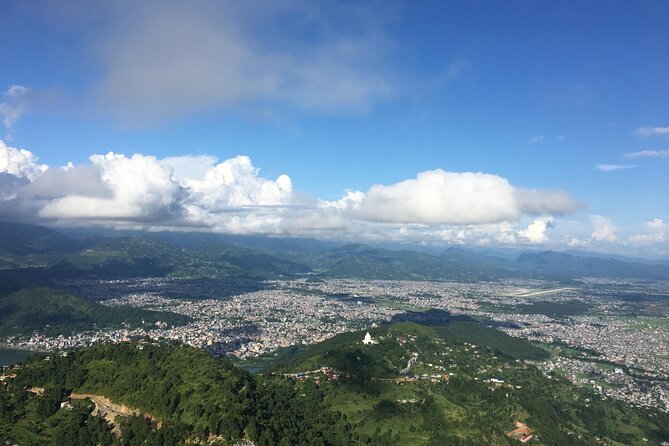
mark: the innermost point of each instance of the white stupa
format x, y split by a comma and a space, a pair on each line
368, 339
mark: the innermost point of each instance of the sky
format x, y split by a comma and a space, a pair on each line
481, 123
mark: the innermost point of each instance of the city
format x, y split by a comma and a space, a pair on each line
606, 349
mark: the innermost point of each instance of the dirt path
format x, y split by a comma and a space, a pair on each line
109, 410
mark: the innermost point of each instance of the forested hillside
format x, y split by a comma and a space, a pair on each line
52, 312
410, 385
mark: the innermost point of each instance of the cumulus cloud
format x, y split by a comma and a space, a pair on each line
537, 139
179, 191
119, 190
350, 201
612, 167
140, 188
603, 229
536, 231
19, 163
502, 234
656, 233
648, 154
602, 233
237, 183
652, 131
198, 191
453, 198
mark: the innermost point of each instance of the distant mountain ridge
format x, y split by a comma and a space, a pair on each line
23, 239
48, 253
551, 263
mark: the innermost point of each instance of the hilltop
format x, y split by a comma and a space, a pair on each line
462, 383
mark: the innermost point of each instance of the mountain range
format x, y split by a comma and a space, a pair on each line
48, 253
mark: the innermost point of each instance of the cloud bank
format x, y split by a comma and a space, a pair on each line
199, 192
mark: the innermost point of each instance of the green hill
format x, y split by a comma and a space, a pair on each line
34, 254
139, 257
23, 239
347, 353
255, 263
455, 392
191, 398
24, 245
498, 341
147, 257
466, 385
52, 312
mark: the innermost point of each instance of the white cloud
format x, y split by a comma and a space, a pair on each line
648, 154
19, 163
603, 229
232, 196
453, 198
175, 191
652, 131
350, 201
504, 233
536, 231
656, 233
656, 224
140, 189
537, 139
236, 182
13, 107
612, 167
122, 191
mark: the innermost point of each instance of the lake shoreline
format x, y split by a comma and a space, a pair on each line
10, 355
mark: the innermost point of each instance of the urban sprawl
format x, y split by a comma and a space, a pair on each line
620, 356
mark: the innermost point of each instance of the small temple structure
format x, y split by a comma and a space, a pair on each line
368, 339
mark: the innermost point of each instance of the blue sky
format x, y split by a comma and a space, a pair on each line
342, 96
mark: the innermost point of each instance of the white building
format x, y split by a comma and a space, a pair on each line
368, 339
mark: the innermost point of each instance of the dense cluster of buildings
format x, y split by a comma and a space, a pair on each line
236, 320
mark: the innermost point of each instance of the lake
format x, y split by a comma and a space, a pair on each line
8, 356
